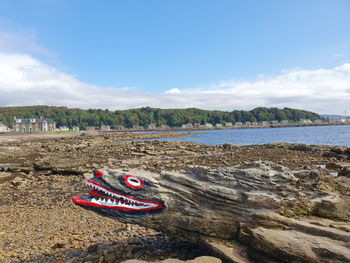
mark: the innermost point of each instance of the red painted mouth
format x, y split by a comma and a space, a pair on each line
107, 198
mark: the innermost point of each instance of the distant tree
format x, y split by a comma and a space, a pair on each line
147, 115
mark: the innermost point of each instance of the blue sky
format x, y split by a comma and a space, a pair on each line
155, 46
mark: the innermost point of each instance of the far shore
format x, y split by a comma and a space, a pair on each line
11, 136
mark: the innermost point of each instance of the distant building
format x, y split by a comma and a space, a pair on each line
264, 123
75, 128
4, 128
255, 123
90, 128
164, 126
305, 121
33, 125
121, 128
218, 125
228, 124
196, 125
187, 126
63, 128
137, 127
284, 121
274, 122
105, 128
341, 120
208, 125
152, 126
247, 124
238, 124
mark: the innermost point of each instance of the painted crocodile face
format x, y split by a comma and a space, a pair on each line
209, 201
119, 195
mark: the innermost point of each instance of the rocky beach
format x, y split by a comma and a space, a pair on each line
40, 174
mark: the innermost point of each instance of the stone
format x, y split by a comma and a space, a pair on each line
345, 171
226, 204
5, 177
110, 258
332, 206
334, 165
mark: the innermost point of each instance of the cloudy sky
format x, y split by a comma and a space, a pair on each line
223, 55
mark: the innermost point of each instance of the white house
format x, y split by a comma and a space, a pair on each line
63, 128
305, 121
137, 127
152, 126
4, 128
105, 128
263, 123
187, 126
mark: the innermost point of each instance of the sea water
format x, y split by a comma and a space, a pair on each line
324, 135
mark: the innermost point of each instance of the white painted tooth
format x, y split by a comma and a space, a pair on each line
109, 201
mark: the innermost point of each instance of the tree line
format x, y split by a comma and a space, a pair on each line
144, 116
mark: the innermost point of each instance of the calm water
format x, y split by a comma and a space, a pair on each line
326, 135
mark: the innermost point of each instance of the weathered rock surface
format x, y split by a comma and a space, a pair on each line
255, 204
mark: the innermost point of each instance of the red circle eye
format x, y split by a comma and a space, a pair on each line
133, 181
98, 174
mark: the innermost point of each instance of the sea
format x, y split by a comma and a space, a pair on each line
323, 135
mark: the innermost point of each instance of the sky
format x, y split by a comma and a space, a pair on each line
222, 55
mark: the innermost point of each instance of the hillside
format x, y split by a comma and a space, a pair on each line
145, 116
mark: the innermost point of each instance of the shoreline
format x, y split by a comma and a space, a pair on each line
13, 137
58, 134
45, 174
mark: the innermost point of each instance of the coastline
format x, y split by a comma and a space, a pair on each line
43, 173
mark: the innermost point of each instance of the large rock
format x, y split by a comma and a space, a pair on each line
253, 204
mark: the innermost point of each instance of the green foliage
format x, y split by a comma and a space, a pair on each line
146, 115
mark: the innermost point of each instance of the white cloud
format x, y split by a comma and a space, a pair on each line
173, 91
26, 81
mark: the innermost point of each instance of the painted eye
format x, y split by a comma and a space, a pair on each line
98, 173
133, 181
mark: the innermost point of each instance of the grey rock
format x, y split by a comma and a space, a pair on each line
253, 204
